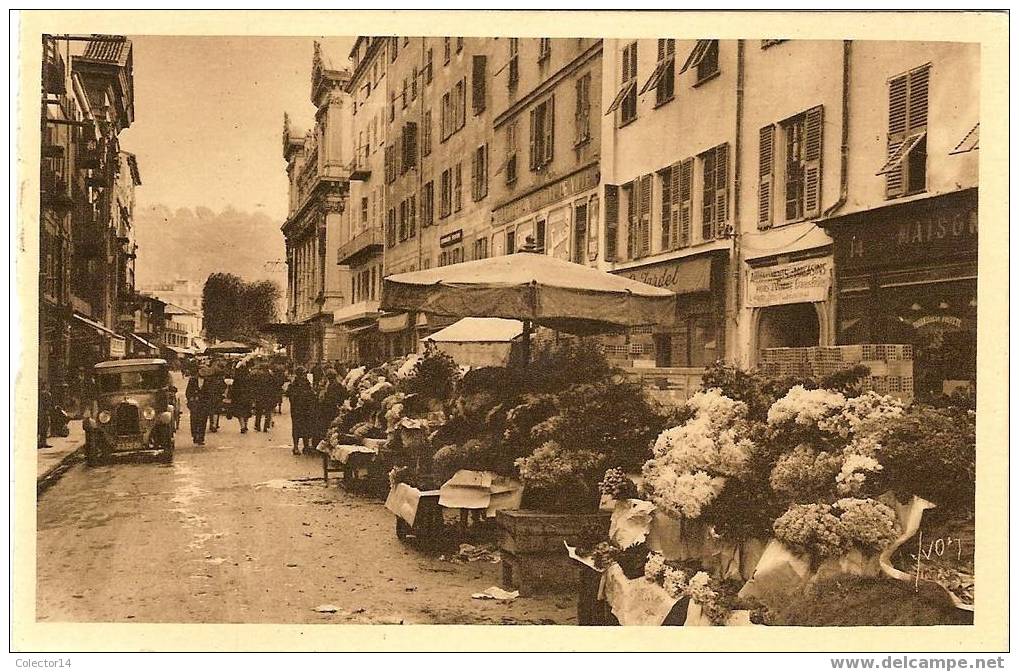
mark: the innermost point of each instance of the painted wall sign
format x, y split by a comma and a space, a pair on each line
553, 193
796, 282
914, 234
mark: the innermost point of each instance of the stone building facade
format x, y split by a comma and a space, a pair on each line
688, 164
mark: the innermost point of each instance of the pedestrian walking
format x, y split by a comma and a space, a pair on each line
279, 380
199, 395
264, 398
302, 410
218, 382
241, 396
330, 400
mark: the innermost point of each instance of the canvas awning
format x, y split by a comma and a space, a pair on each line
389, 324
479, 330
551, 292
144, 342
102, 329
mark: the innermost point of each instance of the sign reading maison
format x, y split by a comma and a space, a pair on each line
796, 282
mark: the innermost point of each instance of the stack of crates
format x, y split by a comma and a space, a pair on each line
891, 365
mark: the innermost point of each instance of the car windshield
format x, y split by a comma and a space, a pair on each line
132, 380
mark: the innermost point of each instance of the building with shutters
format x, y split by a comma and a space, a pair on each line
791, 165
319, 164
439, 137
361, 236
546, 146
905, 233
668, 134
86, 205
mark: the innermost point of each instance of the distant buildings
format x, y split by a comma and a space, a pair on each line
791, 192
87, 248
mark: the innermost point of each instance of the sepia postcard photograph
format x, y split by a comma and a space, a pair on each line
334, 324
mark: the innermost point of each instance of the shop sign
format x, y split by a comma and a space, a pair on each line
911, 236
682, 276
945, 320
117, 348
797, 282
452, 238
553, 193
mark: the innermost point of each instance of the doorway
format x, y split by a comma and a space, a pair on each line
793, 325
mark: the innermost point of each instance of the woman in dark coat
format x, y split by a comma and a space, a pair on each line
242, 396
303, 410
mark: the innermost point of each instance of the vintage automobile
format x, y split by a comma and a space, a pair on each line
133, 412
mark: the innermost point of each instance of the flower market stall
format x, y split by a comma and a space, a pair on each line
766, 491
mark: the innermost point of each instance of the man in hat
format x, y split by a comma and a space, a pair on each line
199, 396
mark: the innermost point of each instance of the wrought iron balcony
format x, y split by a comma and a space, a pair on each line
364, 242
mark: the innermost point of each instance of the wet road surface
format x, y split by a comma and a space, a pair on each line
242, 531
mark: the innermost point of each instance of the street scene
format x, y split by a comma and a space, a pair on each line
696, 347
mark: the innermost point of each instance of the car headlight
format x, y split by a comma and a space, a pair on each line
149, 413
104, 417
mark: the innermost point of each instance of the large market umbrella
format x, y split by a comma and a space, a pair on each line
228, 347
535, 288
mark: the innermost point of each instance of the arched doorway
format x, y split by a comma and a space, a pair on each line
791, 325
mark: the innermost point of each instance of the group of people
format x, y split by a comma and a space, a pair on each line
313, 405
256, 390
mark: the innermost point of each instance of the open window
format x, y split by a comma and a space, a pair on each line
704, 59
905, 169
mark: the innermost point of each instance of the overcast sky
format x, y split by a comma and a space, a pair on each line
209, 117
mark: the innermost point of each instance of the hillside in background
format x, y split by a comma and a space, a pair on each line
193, 244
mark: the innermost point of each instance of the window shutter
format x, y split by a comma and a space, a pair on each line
812, 162
474, 176
675, 205
534, 138
919, 87
897, 90
766, 176
549, 128
668, 236
462, 119
644, 216
478, 64
685, 201
721, 187
611, 221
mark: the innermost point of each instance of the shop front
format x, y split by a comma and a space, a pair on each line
790, 303
562, 218
908, 274
671, 360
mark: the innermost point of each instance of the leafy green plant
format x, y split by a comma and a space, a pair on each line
434, 376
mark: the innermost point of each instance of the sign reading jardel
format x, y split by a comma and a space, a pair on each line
796, 282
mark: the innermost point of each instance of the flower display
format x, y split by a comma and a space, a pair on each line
805, 474
551, 466
806, 407
617, 485
868, 524
683, 494
692, 461
814, 529
654, 568
861, 409
853, 475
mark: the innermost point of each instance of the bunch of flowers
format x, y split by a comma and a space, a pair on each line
673, 579
806, 407
683, 494
868, 524
867, 407
692, 462
852, 477
814, 529
403, 474
551, 467
805, 474
829, 530
617, 485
